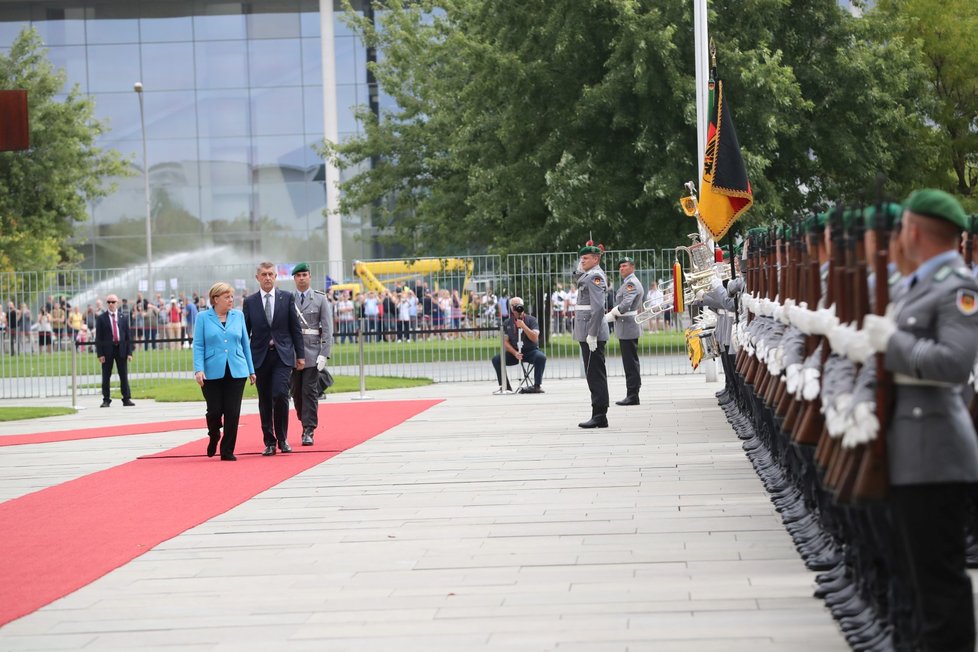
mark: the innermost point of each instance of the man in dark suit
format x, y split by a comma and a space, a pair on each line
276, 347
113, 344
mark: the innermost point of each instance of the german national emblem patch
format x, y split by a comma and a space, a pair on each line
630, 286
967, 302
597, 280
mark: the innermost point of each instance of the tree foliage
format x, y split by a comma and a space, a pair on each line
44, 190
947, 33
530, 125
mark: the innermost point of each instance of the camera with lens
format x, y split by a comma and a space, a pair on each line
518, 309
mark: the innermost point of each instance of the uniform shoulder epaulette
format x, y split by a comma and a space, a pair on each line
963, 272
319, 292
943, 273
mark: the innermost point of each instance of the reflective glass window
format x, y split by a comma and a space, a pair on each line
346, 62
218, 22
222, 64
276, 111
171, 152
112, 23
71, 59
309, 23
112, 67
121, 112
283, 151
225, 161
346, 102
177, 26
313, 110
60, 26
224, 113
312, 62
275, 62
171, 114
273, 25
168, 66
130, 149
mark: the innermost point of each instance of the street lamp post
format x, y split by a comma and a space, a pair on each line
138, 87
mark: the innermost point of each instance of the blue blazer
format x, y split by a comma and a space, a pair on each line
217, 346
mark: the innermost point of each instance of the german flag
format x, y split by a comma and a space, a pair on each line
725, 193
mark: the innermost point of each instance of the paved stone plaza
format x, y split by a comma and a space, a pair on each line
486, 522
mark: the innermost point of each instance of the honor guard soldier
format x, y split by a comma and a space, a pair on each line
591, 330
929, 340
316, 324
628, 303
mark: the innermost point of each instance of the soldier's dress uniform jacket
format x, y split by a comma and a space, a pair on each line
315, 315
931, 436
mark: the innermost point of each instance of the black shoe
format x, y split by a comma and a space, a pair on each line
229, 458
284, 447
212, 445
628, 400
126, 402
307, 438
597, 421
106, 403
269, 450
535, 389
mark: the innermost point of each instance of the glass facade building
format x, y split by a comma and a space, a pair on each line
233, 105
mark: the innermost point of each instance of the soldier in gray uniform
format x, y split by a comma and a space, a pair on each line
316, 324
929, 343
628, 303
591, 330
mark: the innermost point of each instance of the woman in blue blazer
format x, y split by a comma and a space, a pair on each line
222, 362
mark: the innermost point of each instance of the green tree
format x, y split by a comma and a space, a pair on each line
529, 125
44, 190
946, 31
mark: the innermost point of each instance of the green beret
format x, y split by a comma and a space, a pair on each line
301, 267
816, 222
891, 211
626, 259
589, 249
938, 204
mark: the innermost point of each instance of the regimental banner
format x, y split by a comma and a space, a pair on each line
725, 193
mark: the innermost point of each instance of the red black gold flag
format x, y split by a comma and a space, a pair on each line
725, 192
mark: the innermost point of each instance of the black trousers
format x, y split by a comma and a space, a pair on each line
597, 377
536, 357
223, 396
273, 381
629, 360
305, 396
930, 521
122, 363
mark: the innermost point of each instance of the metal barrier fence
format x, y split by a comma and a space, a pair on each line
436, 318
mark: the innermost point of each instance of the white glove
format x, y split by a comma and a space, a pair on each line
793, 377
320, 362
879, 330
840, 336
837, 415
863, 426
858, 349
610, 316
822, 321
700, 295
810, 384
715, 282
592, 342
799, 317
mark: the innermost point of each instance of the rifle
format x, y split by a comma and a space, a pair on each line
811, 284
776, 389
750, 285
848, 461
872, 478
771, 285
754, 368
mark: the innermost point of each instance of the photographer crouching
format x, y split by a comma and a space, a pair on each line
522, 334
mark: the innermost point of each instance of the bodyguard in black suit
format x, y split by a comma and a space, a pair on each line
276, 347
113, 345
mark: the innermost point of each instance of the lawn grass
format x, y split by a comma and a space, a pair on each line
18, 413
58, 363
175, 390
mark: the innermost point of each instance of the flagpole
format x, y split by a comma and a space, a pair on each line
701, 44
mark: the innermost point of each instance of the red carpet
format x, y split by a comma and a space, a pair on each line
59, 539
108, 431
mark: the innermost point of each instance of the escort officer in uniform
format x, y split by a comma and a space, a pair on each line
628, 303
315, 316
591, 330
929, 340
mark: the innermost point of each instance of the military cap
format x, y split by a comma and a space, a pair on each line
590, 248
938, 204
301, 267
891, 210
626, 259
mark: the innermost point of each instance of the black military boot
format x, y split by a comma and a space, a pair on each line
597, 420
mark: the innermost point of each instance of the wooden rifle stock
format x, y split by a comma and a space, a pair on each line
802, 424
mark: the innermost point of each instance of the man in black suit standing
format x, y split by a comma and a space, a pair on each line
113, 344
276, 347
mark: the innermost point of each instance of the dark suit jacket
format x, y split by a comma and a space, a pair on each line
284, 329
103, 335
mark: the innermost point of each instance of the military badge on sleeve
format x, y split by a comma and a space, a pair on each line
630, 287
967, 302
597, 280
